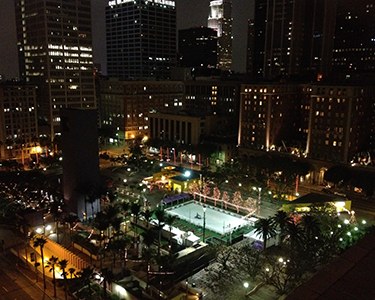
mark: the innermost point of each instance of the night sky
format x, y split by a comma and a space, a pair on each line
190, 13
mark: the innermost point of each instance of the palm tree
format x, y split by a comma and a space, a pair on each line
108, 277
86, 275
56, 211
51, 264
71, 219
40, 242
148, 256
280, 219
311, 225
265, 228
148, 238
295, 234
160, 215
135, 209
169, 220
147, 214
71, 272
63, 264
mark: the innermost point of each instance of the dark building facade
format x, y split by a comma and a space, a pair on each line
291, 37
141, 39
214, 97
81, 176
197, 47
55, 52
354, 44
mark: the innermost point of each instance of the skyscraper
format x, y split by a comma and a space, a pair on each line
55, 52
141, 38
354, 44
81, 175
291, 37
197, 47
220, 19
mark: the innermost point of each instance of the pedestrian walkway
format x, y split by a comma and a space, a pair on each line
28, 271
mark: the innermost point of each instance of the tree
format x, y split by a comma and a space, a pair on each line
86, 275
225, 199
108, 277
63, 264
280, 219
72, 272
339, 175
237, 200
148, 256
51, 264
216, 194
222, 275
71, 219
135, 209
147, 214
40, 242
295, 236
160, 216
169, 220
56, 211
265, 228
148, 237
281, 274
250, 260
311, 226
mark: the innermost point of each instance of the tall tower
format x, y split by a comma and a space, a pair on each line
81, 175
292, 37
197, 47
55, 52
220, 19
354, 45
141, 38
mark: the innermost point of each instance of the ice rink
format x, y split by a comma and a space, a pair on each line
217, 219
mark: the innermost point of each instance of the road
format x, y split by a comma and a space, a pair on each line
14, 285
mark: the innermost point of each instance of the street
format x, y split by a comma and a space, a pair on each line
14, 285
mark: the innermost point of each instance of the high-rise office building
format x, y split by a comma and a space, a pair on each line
18, 120
81, 175
141, 38
55, 52
291, 37
126, 105
220, 19
197, 47
354, 44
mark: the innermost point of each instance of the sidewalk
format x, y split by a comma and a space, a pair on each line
29, 273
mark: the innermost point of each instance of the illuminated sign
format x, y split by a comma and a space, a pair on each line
163, 2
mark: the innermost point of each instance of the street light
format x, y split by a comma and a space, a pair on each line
204, 224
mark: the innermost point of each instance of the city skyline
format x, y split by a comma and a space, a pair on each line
241, 13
